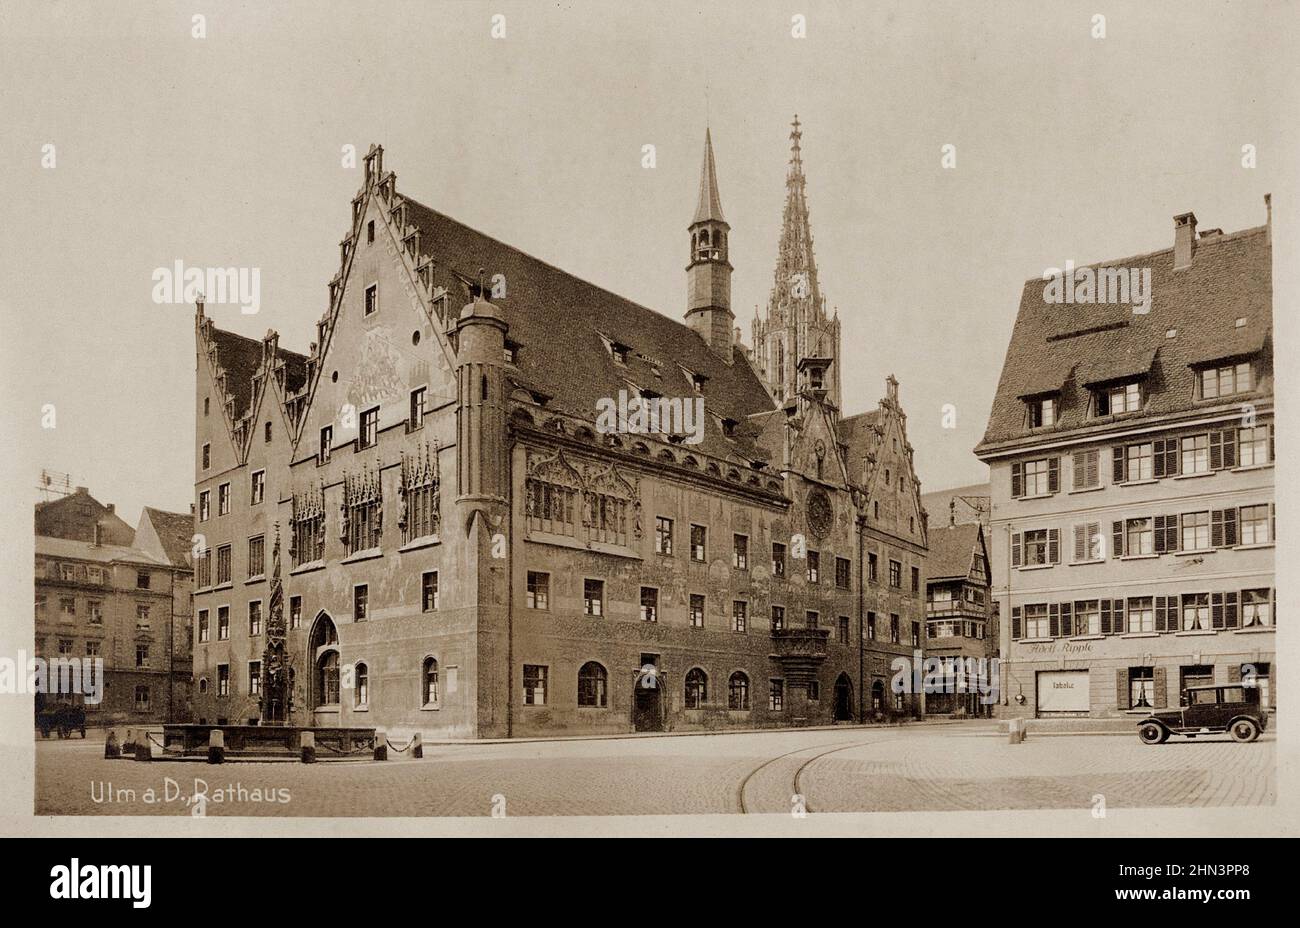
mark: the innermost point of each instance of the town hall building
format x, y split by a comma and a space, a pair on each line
426, 508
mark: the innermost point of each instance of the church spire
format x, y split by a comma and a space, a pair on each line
796, 327
710, 204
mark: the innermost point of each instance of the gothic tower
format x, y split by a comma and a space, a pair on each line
708, 276
795, 339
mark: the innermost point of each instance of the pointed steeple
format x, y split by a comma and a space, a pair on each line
796, 327
710, 204
708, 275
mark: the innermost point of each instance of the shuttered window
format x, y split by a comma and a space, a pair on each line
1088, 544
1087, 469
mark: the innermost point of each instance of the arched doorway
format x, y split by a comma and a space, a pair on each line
843, 698
323, 659
647, 696
878, 696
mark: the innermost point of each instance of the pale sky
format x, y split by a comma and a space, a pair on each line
226, 150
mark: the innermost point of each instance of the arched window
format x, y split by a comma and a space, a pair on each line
593, 685
429, 683
203, 685
327, 679
361, 690
738, 691
877, 695
697, 689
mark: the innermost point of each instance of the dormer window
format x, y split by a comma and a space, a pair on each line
1225, 380
511, 353
1042, 412
1119, 398
729, 427
372, 299
618, 352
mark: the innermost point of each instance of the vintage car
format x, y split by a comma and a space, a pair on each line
1207, 710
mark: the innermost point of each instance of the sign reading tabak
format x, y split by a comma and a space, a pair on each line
1062, 647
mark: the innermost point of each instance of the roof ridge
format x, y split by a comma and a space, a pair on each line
1200, 243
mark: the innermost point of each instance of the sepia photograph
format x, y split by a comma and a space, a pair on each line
675, 419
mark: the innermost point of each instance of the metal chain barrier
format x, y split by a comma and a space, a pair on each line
402, 750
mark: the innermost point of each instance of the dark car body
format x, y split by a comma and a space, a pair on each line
1209, 709
63, 718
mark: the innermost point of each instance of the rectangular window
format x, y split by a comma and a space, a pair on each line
697, 610
1195, 454
360, 602
814, 567
535, 684
257, 490
205, 505
142, 698
254, 618
740, 555
775, 695
1139, 537
1225, 380
1119, 399
1035, 477
649, 604
257, 556
916, 580
873, 567
1087, 469
1255, 525
593, 597
1036, 621
1195, 531
429, 591
539, 590
223, 564
415, 419
1256, 608
1253, 446
295, 612
223, 499
326, 443
916, 634
843, 625
1141, 688
369, 433
1196, 612
207, 456
871, 626
778, 560
1088, 545
141, 655
698, 533
372, 299
141, 617
895, 574
205, 632
223, 679
812, 619
68, 605
223, 623
1042, 412
1141, 614
778, 618
254, 677
663, 535
842, 568
1139, 462
893, 629
739, 616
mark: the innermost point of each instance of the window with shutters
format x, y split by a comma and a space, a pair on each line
1165, 457
1036, 621
1255, 525
1195, 454
1138, 462
1196, 612
1139, 537
1041, 547
1141, 688
1141, 614
1166, 609
1253, 446
1087, 617
1112, 616
1195, 531
1223, 449
1224, 610
1087, 469
1165, 533
1035, 478
1088, 544
1256, 608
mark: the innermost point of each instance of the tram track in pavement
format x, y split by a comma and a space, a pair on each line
832, 747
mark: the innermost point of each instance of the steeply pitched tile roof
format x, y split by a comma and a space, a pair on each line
239, 357
951, 548
1066, 347
175, 531
936, 503
562, 323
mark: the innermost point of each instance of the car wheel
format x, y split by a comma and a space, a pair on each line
1244, 730
1151, 733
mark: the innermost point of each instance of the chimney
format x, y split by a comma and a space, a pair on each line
1184, 240
109, 508
191, 509
1268, 208
99, 531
